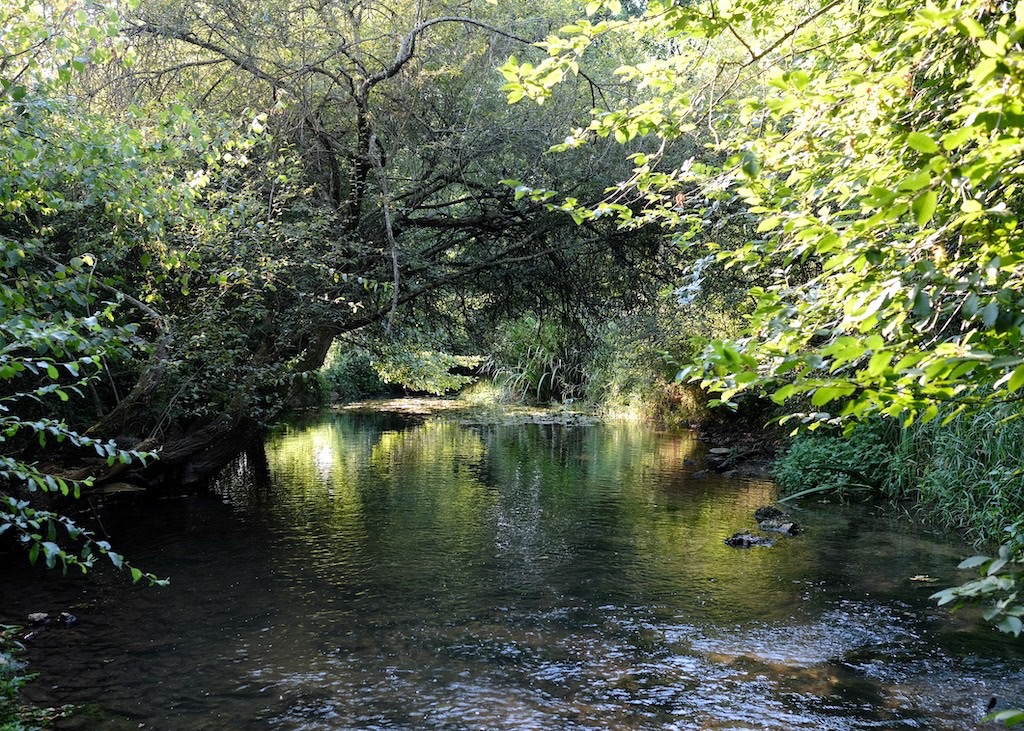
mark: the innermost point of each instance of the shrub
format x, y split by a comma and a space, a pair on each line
829, 462
349, 375
534, 359
966, 474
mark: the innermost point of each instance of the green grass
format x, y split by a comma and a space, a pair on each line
967, 475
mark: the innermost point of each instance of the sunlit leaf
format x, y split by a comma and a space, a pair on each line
922, 142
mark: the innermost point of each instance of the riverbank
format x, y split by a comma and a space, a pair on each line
965, 475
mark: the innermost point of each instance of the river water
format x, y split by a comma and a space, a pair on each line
379, 571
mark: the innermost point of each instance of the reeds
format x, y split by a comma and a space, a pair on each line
966, 475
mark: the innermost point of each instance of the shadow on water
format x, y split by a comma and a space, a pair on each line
376, 572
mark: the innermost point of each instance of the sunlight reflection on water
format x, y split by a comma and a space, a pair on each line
374, 573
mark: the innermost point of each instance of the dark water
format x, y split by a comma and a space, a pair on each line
370, 572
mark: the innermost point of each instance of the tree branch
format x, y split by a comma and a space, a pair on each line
246, 64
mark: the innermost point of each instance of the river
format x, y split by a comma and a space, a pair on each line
385, 571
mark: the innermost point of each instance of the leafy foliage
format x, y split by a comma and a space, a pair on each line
879, 161
965, 474
997, 585
997, 588
348, 374
831, 463
56, 332
535, 359
423, 369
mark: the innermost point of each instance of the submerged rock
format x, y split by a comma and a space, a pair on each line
43, 619
769, 512
746, 540
772, 519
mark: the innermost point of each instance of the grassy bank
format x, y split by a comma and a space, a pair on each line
966, 475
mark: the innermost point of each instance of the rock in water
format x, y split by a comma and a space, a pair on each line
785, 526
775, 520
746, 540
770, 512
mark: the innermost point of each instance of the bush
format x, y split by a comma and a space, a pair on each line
829, 462
349, 375
967, 474
534, 359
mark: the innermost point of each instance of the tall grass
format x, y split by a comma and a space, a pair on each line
966, 475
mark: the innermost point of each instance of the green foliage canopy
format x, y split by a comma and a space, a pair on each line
875, 148
59, 325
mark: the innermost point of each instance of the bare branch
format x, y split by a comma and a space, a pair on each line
246, 64
408, 46
792, 31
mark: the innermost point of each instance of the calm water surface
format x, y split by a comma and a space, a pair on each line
380, 572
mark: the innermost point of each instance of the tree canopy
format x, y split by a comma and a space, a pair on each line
200, 199
871, 153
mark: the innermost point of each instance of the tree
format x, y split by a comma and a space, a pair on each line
249, 184
59, 327
877, 164
364, 198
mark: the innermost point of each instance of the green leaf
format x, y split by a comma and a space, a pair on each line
973, 562
923, 207
749, 164
1008, 718
954, 139
827, 394
990, 313
1016, 379
970, 27
878, 364
1010, 625
50, 553
922, 142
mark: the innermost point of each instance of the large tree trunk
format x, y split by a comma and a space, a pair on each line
194, 457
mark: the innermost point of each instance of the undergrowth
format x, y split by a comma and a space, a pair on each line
14, 714
966, 475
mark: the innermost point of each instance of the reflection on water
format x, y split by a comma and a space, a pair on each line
368, 572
